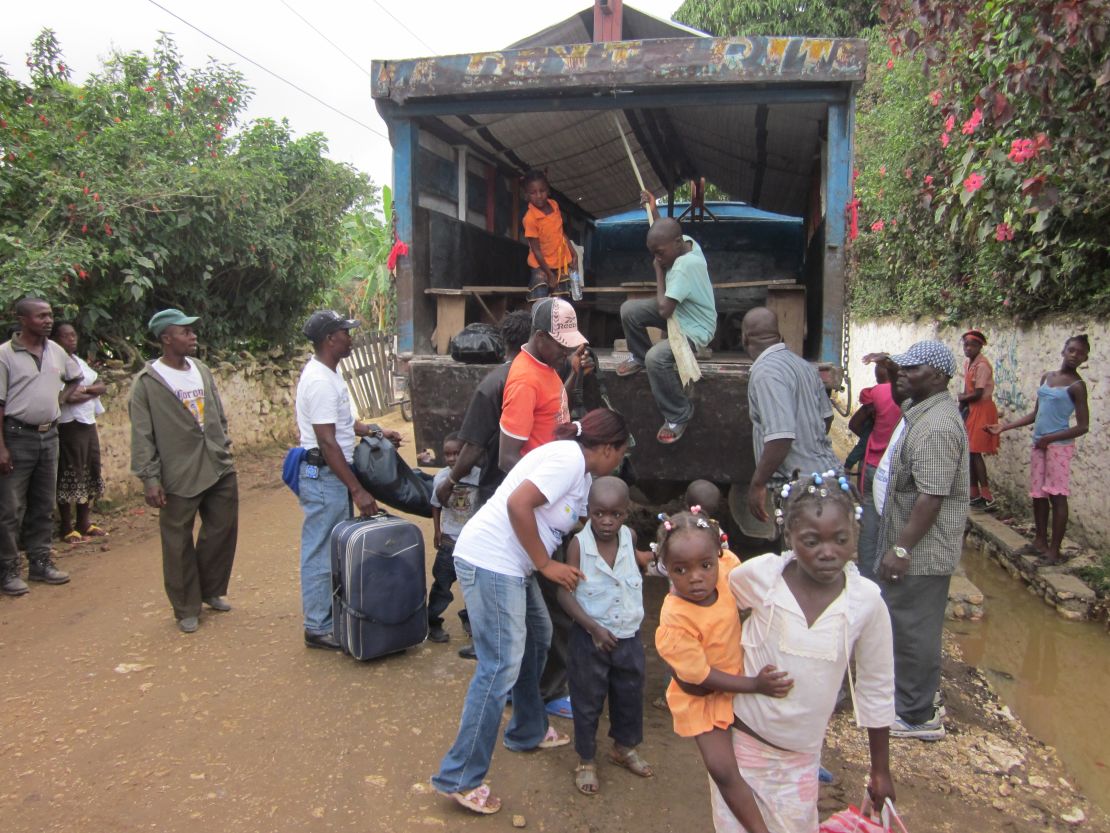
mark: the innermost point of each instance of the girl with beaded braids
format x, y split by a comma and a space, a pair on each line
810, 611
699, 638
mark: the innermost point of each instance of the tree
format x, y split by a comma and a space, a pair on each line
363, 284
141, 189
778, 17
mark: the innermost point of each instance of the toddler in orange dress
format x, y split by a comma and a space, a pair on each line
699, 638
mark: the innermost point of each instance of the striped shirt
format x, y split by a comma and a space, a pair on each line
787, 400
930, 458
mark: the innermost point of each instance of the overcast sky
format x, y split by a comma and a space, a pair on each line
271, 33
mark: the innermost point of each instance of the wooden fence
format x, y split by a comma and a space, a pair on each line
368, 372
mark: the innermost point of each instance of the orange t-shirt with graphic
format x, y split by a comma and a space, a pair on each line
548, 229
535, 402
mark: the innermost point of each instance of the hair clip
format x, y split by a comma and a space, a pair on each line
724, 540
830, 473
654, 547
817, 480
577, 425
695, 509
785, 491
778, 517
812, 490
703, 523
662, 516
824, 492
859, 513
844, 484
667, 525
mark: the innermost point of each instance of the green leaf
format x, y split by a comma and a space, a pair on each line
145, 262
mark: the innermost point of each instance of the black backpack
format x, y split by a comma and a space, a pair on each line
478, 344
382, 472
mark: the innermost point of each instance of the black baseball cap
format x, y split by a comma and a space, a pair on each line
324, 322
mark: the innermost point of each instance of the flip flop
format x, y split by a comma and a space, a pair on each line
668, 435
560, 708
632, 761
553, 739
628, 367
1029, 549
478, 800
585, 776
1045, 561
74, 537
95, 531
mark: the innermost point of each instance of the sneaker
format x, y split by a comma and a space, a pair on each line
468, 652
939, 711
436, 633
929, 731
978, 502
46, 572
988, 503
189, 624
12, 585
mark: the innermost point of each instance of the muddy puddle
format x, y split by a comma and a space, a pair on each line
1054, 675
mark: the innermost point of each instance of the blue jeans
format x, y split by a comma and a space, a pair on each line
511, 634
325, 502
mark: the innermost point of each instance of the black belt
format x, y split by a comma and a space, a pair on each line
12, 422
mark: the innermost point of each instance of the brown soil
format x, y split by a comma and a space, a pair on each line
115, 721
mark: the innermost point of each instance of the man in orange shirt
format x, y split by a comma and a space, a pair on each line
535, 396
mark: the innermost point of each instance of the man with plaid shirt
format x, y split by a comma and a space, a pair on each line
921, 531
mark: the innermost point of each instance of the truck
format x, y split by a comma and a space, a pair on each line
766, 120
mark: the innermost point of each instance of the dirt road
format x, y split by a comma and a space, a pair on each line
114, 721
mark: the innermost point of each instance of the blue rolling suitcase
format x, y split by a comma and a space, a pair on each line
379, 595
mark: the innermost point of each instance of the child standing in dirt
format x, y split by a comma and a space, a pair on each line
977, 402
448, 520
605, 654
551, 255
699, 638
1061, 393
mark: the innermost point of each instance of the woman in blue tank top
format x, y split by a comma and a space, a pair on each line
1061, 393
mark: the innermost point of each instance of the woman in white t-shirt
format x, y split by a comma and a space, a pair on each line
498, 552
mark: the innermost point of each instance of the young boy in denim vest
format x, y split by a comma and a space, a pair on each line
605, 654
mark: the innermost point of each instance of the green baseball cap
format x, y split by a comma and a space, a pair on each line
168, 318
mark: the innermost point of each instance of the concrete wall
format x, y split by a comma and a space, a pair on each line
1019, 355
257, 393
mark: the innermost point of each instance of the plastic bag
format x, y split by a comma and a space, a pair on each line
382, 472
478, 344
860, 820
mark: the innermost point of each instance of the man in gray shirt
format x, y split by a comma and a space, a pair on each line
33, 369
789, 408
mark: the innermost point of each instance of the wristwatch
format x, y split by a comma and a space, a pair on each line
902, 553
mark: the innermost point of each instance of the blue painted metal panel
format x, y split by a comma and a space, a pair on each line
404, 136
838, 190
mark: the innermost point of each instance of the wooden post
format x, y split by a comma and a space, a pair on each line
608, 20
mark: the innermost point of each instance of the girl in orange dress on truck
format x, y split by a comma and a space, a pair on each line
551, 255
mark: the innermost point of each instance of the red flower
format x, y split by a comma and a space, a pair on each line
1022, 150
84, 229
973, 183
972, 123
934, 98
855, 175
882, 170
928, 179
890, 64
85, 190
81, 175
107, 229
82, 274
196, 89
1002, 232
949, 123
148, 89
944, 140
878, 225
96, 197
231, 99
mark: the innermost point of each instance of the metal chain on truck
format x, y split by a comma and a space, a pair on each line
846, 345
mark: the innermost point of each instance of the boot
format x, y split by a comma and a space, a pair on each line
45, 571
10, 582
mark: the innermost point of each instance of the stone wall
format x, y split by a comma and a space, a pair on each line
1019, 355
258, 396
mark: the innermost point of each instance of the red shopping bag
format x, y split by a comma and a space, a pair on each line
862, 820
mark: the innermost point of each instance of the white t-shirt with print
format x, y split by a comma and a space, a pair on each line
882, 472
322, 399
558, 470
187, 384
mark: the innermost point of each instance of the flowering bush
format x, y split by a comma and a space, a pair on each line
1010, 212
141, 189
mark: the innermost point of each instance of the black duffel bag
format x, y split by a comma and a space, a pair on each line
478, 344
382, 472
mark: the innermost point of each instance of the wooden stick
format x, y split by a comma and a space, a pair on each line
632, 160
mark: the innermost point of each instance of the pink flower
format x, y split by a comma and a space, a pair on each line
890, 64
973, 183
949, 123
928, 179
1022, 150
975, 120
882, 170
934, 98
878, 225
944, 140
1002, 233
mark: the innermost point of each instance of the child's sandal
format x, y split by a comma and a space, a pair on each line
585, 779
478, 800
632, 761
553, 739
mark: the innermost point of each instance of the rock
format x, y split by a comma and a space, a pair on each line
1039, 783
998, 804
1075, 817
519, 821
1004, 789
1005, 757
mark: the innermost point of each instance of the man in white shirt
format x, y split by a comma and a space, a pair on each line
328, 485
181, 450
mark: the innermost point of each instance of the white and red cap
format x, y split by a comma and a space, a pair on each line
557, 318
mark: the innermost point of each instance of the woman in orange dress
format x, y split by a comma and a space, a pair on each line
977, 403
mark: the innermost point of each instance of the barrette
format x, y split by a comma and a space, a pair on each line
817, 479
695, 509
703, 523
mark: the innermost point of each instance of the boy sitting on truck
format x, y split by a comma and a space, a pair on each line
684, 293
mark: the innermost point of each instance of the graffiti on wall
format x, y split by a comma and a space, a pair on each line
1009, 383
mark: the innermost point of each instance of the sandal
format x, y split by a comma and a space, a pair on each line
553, 739
669, 434
478, 800
628, 367
1029, 549
95, 531
585, 779
73, 537
632, 761
660, 703
560, 707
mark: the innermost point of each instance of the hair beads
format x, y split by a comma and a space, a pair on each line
816, 488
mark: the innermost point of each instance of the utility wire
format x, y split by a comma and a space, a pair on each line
335, 46
299, 89
422, 42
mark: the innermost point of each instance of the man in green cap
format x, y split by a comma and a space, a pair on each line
181, 451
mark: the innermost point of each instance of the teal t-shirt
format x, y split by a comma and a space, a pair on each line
689, 286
